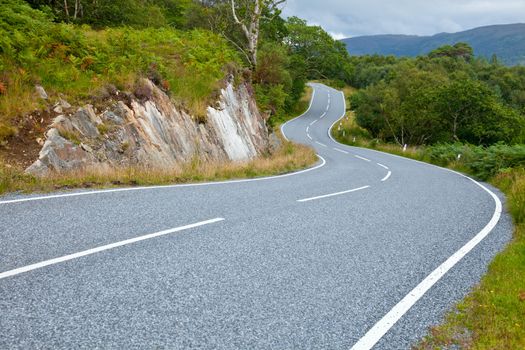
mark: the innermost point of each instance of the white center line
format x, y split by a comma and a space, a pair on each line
340, 150
307, 129
312, 123
323, 115
321, 144
310, 137
387, 176
103, 248
382, 166
332, 194
362, 158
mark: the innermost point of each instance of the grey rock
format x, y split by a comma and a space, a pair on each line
156, 132
41, 92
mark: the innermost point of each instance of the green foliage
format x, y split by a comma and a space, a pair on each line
324, 57
442, 98
115, 13
77, 61
459, 50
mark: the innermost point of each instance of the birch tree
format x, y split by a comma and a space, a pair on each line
247, 16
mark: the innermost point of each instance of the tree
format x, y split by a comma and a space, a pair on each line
325, 57
459, 50
250, 22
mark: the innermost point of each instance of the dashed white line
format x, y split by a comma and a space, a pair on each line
103, 248
340, 150
307, 129
362, 158
387, 176
323, 115
310, 137
332, 194
321, 144
382, 166
315, 121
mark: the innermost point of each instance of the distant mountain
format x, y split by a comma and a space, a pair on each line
506, 41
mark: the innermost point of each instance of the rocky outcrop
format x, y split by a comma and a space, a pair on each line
153, 132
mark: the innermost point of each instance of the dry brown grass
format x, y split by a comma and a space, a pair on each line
290, 157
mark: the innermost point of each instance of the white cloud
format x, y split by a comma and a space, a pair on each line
345, 18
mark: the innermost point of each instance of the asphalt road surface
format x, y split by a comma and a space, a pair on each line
364, 250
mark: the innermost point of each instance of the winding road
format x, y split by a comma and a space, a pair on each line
364, 250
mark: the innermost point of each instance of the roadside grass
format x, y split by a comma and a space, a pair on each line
300, 108
492, 316
290, 157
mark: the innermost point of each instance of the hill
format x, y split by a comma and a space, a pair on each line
506, 41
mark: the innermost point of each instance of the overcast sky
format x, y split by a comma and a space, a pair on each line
348, 18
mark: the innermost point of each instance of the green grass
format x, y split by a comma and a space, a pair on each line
78, 63
300, 108
492, 316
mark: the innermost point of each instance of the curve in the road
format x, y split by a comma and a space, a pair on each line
326, 259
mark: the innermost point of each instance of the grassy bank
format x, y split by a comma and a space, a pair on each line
290, 157
80, 64
492, 316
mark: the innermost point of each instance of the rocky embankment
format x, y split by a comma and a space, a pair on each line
151, 131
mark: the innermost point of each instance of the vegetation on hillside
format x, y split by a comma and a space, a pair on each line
447, 96
506, 41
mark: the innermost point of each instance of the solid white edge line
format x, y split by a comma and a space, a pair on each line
340, 150
380, 328
128, 189
321, 144
332, 194
362, 158
387, 322
143, 188
91, 251
383, 166
387, 176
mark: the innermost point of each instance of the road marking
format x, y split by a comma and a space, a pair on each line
310, 137
307, 129
321, 144
332, 194
375, 334
362, 158
305, 113
381, 327
323, 115
103, 248
387, 176
340, 150
315, 121
382, 166
149, 188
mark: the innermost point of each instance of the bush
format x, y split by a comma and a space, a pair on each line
482, 162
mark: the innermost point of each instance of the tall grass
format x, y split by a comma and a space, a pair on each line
290, 157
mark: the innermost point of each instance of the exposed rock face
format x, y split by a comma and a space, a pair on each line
154, 132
